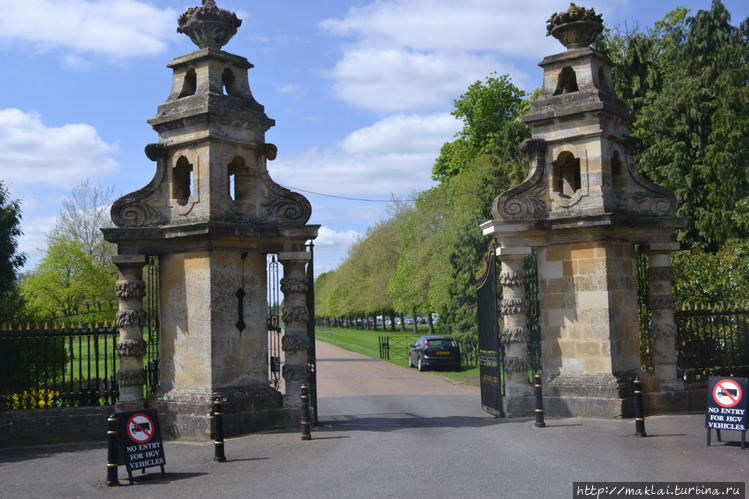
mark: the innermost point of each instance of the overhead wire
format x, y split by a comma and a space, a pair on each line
346, 197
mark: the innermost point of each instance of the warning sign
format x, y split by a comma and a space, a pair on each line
140, 444
140, 428
727, 393
726, 403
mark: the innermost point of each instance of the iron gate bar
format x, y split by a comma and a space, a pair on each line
311, 352
152, 321
274, 326
533, 317
490, 349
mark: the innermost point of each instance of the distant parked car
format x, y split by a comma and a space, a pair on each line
409, 321
434, 351
421, 320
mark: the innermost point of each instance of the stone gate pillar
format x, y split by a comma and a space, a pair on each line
130, 289
514, 309
211, 213
295, 315
663, 327
584, 206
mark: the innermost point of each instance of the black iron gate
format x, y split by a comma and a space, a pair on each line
311, 354
533, 317
274, 323
152, 323
490, 351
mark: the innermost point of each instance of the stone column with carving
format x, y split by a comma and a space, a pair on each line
295, 341
662, 324
130, 289
515, 334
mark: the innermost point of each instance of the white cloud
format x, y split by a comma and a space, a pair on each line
330, 237
59, 157
393, 156
419, 55
118, 28
290, 88
33, 241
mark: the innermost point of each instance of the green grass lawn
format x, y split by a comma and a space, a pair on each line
366, 343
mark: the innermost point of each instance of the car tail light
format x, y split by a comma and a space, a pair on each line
455, 344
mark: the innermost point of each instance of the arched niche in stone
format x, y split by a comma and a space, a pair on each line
565, 181
182, 180
567, 81
238, 179
189, 84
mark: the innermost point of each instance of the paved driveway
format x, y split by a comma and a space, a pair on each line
387, 431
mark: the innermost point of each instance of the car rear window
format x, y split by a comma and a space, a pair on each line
439, 342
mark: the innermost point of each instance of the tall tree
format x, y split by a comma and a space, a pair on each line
67, 281
82, 216
490, 111
11, 260
685, 81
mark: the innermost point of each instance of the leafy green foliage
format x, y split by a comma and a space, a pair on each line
66, 280
703, 278
685, 82
11, 260
490, 112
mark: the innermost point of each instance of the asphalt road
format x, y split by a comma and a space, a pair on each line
389, 431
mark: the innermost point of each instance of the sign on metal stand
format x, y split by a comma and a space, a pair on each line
490, 353
727, 404
140, 441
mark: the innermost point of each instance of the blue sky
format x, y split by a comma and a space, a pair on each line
361, 91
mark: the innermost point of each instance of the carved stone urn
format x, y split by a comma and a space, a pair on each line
209, 26
575, 28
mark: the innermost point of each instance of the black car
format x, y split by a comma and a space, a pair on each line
434, 351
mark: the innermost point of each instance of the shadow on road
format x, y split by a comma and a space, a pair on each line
397, 421
156, 478
11, 455
347, 360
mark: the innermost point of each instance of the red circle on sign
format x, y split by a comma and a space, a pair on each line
140, 428
727, 393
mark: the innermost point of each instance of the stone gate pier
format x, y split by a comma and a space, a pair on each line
582, 208
211, 213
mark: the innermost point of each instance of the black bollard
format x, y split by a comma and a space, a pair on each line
639, 417
539, 401
112, 450
305, 414
217, 419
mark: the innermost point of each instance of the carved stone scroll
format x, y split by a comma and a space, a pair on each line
527, 200
132, 210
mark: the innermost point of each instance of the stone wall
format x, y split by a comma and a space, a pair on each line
53, 426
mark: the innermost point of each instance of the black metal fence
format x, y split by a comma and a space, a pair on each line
60, 367
712, 340
398, 348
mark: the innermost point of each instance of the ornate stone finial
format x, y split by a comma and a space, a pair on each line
209, 26
575, 28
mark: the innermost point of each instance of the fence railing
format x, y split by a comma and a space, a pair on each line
398, 348
712, 340
60, 367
